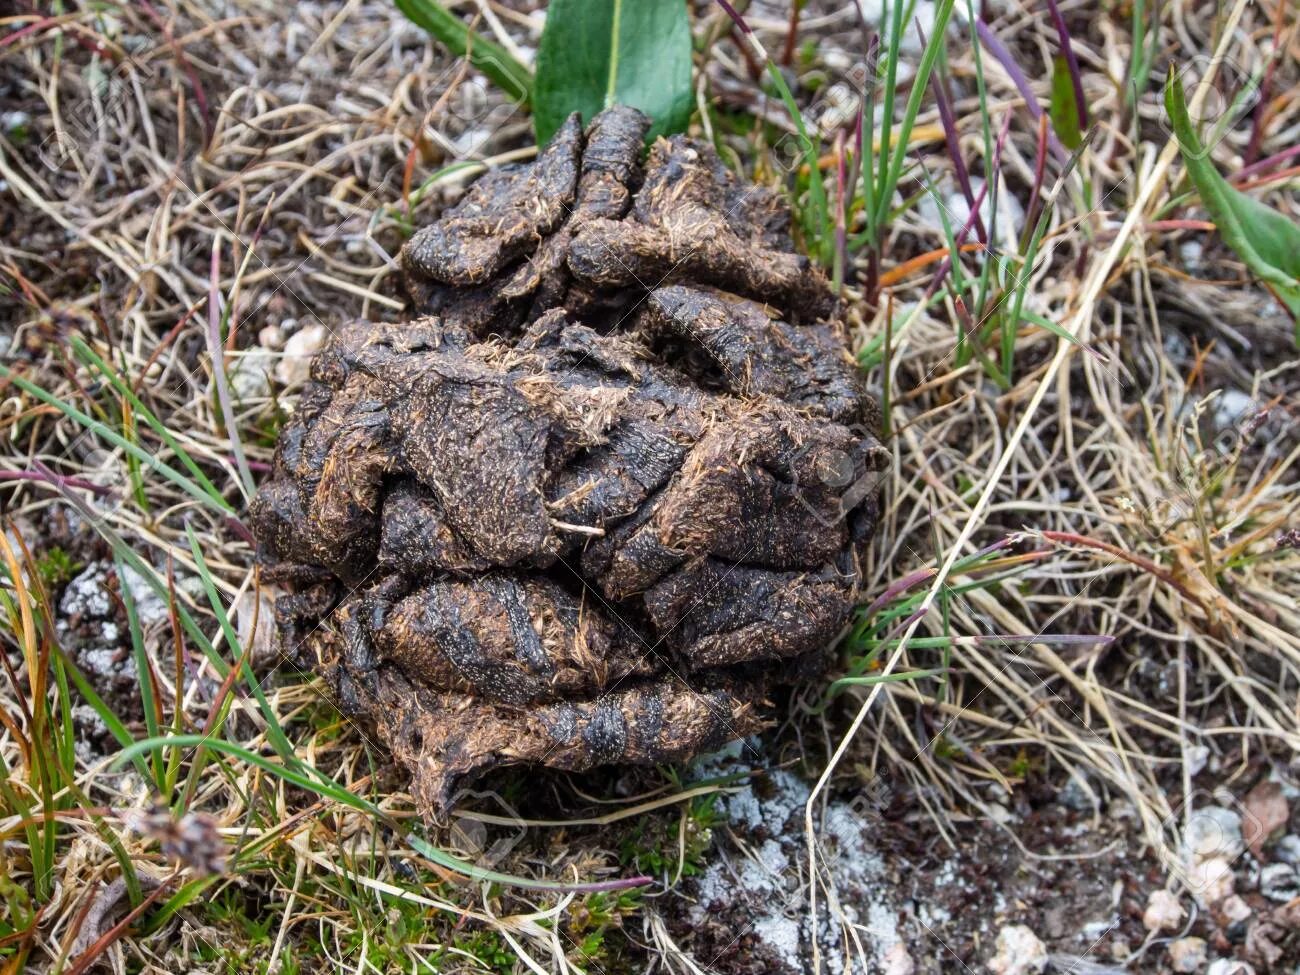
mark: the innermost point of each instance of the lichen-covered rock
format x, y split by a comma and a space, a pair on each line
612, 483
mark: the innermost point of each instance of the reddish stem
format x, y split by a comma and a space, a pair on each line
1164, 575
58, 480
792, 33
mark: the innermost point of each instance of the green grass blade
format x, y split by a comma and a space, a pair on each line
322, 785
144, 671
139, 409
489, 57
112, 722
113, 437
887, 106
127, 554
810, 149
934, 43
273, 730
844, 682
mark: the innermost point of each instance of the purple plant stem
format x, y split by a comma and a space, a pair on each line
1264, 164
1058, 639
200, 96
1004, 58
1076, 79
240, 529
57, 480
946, 264
901, 586
841, 208
939, 81
855, 152
735, 16
1040, 173
253, 465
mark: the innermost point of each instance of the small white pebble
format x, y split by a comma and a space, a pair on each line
87, 594
1196, 757
1287, 850
1229, 966
1211, 881
1187, 955
249, 374
1213, 831
295, 368
1019, 952
897, 961
1164, 912
149, 607
1279, 882
1233, 408
271, 337
1235, 909
998, 813
1191, 251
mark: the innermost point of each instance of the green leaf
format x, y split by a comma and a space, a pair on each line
1264, 239
599, 53
492, 59
1062, 109
873, 679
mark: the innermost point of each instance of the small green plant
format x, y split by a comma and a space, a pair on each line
56, 567
1263, 238
44, 784
17, 919
232, 909
673, 848
852, 215
488, 949
878, 629
590, 921
1022, 765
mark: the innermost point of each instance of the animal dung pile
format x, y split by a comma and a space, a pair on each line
612, 484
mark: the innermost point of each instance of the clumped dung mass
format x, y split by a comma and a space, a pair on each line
610, 486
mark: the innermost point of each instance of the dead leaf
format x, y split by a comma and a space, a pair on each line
1265, 810
1262, 944
1221, 619
1288, 915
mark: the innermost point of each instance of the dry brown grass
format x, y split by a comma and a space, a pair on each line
289, 149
